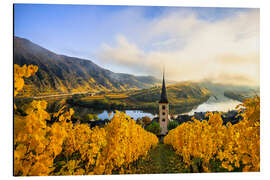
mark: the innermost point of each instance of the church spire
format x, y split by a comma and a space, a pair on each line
163, 98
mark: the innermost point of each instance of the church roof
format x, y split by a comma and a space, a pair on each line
163, 97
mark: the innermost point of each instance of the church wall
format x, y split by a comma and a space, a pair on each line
164, 117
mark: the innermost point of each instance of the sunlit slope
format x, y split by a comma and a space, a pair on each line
177, 93
182, 98
63, 74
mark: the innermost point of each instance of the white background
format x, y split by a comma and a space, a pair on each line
6, 36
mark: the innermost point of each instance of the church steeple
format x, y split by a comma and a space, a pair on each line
163, 109
163, 97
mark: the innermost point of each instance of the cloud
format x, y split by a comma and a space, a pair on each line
125, 52
232, 79
234, 58
191, 48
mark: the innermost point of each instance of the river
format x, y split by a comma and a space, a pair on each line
211, 104
135, 114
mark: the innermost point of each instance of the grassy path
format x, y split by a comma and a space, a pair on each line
161, 159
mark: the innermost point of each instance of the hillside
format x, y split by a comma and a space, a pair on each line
62, 74
221, 91
182, 98
240, 95
177, 93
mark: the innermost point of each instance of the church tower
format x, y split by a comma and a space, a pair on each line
163, 109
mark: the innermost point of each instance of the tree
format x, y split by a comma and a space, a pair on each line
89, 117
146, 120
92, 117
172, 125
154, 127
139, 121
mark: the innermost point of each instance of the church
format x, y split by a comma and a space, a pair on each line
163, 109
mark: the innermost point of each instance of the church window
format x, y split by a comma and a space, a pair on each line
163, 107
163, 113
163, 120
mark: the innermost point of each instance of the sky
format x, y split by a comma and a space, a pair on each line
216, 44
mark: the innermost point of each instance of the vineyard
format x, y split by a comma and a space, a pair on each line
51, 144
215, 146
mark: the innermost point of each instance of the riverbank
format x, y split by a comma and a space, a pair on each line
130, 104
104, 109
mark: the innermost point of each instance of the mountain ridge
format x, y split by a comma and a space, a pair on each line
64, 74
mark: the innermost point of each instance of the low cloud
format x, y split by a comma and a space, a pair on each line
234, 58
191, 48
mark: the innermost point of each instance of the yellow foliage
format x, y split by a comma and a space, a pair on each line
117, 96
126, 142
117, 145
20, 73
230, 144
37, 144
31, 155
103, 150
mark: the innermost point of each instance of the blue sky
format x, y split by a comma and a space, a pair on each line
79, 30
99, 33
